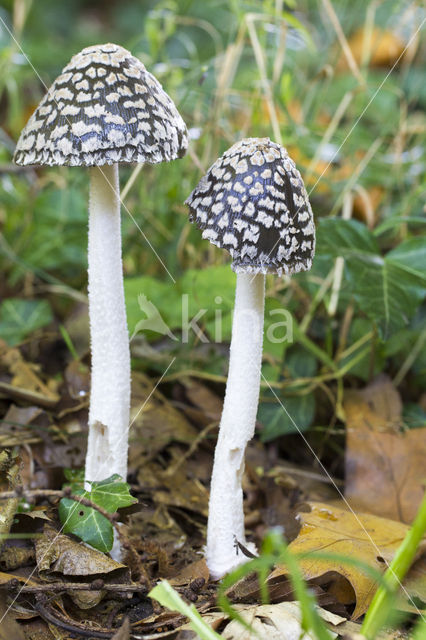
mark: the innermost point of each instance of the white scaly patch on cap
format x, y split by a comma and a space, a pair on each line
104, 107
256, 181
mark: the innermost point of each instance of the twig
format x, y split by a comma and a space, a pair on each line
79, 629
96, 585
76, 628
19, 492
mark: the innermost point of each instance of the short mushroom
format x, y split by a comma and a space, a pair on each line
253, 203
105, 108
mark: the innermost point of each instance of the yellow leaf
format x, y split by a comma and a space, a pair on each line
363, 537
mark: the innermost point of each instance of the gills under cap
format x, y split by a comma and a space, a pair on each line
104, 108
253, 203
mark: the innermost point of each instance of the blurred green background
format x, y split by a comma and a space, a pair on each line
341, 85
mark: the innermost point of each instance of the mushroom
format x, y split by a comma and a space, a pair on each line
253, 203
105, 108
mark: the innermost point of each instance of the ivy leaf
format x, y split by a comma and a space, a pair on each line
412, 254
297, 415
346, 238
75, 477
111, 494
388, 289
300, 363
19, 318
87, 523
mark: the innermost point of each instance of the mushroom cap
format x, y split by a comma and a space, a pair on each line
253, 203
105, 107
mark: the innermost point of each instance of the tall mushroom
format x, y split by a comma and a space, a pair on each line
253, 203
105, 108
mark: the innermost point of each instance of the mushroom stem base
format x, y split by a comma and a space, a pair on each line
110, 384
226, 516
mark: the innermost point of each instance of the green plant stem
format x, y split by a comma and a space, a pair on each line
381, 605
67, 339
310, 617
420, 630
313, 348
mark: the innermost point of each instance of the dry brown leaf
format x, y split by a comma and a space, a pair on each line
363, 537
155, 423
12, 557
9, 628
37, 513
9, 476
365, 204
190, 572
123, 633
26, 382
77, 379
268, 622
44, 461
38, 629
16, 427
182, 489
6, 577
58, 553
385, 470
415, 582
203, 398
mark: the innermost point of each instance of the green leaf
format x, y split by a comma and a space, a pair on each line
169, 598
74, 476
338, 237
414, 416
300, 363
210, 291
87, 523
297, 415
278, 330
412, 254
159, 297
19, 318
54, 239
111, 494
388, 289
362, 368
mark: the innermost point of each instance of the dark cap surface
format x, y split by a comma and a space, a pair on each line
253, 203
105, 107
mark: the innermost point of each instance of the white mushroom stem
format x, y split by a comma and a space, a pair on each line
110, 385
226, 515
